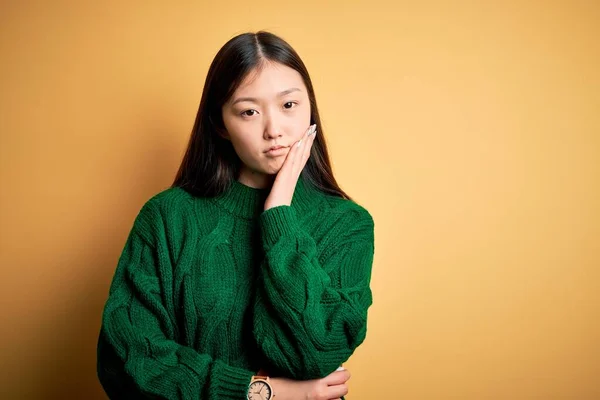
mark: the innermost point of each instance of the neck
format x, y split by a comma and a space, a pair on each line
248, 202
255, 180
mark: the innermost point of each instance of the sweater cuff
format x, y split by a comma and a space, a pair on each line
232, 382
275, 222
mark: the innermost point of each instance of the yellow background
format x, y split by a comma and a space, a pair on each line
470, 131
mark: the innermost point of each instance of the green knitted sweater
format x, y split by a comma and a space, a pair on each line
207, 291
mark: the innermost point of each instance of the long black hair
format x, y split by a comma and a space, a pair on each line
210, 162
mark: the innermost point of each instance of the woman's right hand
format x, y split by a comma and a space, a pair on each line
332, 387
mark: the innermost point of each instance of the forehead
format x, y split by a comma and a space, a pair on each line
269, 79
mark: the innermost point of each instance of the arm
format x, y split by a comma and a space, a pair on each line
137, 354
306, 323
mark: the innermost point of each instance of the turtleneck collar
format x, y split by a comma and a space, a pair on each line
247, 202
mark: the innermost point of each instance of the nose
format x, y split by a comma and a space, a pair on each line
273, 128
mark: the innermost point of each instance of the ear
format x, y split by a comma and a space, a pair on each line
224, 134
219, 128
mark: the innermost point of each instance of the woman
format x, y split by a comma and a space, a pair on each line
249, 277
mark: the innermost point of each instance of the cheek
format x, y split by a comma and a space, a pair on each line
244, 141
302, 125
305, 117
246, 149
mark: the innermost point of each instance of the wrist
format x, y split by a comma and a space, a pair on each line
261, 387
278, 391
275, 223
268, 206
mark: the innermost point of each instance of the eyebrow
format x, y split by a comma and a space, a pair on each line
254, 99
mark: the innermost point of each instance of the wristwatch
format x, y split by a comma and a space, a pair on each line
260, 388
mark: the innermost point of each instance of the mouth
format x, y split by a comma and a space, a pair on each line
274, 148
276, 151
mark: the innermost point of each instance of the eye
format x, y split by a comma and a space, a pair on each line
244, 114
250, 113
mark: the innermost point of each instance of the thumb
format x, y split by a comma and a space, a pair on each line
337, 378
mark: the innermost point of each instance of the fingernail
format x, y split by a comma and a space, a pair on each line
298, 144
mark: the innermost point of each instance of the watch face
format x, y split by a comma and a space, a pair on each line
259, 390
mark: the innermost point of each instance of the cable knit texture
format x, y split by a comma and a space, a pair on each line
207, 291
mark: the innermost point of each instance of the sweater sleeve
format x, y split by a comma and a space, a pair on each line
137, 354
310, 310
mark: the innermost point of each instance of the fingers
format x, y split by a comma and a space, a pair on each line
310, 138
337, 391
311, 129
300, 150
337, 377
298, 147
304, 146
292, 155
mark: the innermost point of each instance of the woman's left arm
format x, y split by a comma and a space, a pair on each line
310, 311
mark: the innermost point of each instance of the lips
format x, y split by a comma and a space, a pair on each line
276, 151
274, 148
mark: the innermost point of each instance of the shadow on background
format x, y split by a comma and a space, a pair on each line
68, 369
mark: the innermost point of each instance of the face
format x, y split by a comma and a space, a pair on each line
270, 108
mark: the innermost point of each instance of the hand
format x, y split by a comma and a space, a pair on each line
332, 387
284, 185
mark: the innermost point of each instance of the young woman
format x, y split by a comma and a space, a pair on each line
249, 278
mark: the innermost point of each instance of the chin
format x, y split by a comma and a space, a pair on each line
272, 170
